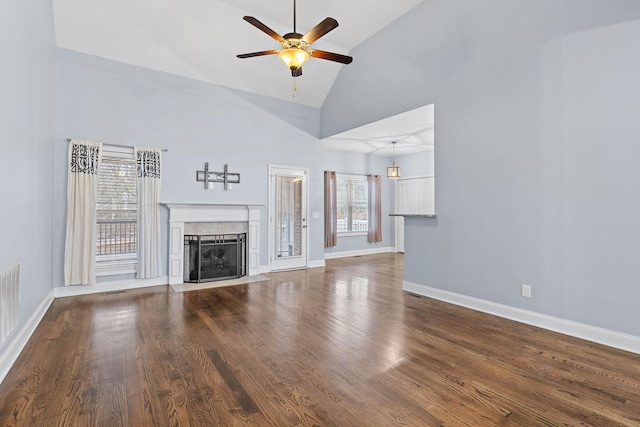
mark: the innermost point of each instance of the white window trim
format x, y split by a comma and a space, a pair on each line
359, 178
352, 233
112, 267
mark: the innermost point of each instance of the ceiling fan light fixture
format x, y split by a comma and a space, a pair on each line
294, 57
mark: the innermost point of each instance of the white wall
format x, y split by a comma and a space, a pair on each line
537, 147
26, 129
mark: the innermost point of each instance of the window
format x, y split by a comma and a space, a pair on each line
353, 212
116, 212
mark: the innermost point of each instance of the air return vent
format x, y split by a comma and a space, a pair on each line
9, 300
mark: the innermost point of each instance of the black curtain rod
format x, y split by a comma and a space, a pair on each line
122, 146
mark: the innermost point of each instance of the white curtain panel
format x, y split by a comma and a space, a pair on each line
148, 164
82, 193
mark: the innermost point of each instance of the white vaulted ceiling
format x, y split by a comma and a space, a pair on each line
200, 39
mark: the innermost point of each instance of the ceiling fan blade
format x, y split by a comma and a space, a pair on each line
261, 53
297, 72
320, 30
259, 25
336, 57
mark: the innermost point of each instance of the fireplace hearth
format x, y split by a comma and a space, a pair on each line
214, 257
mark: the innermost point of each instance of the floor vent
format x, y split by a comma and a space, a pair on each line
9, 300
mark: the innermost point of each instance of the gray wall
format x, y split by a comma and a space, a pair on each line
537, 146
111, 102
26, 127
536, 134
421, 163
363, 164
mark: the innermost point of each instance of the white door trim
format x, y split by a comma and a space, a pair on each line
272, 207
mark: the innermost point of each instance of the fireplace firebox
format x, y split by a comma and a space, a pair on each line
214, 257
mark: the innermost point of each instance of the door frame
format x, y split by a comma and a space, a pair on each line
271, 213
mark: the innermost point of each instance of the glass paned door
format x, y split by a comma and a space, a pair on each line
288, 219
288, 216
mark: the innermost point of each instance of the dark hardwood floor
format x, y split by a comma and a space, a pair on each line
339, 346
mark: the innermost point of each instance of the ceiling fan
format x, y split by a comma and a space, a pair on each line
295, 46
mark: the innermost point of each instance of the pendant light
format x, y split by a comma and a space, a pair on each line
393, 171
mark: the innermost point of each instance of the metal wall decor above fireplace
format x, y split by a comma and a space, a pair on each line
214, 257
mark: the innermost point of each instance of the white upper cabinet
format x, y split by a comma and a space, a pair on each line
415, 196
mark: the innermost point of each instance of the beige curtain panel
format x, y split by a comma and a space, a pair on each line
82, 194
148, 168
330, 209
374, 232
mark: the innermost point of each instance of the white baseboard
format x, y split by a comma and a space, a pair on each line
120, 285
311, 264
316, 263
579, 330
359, 252
264, 269
23, 333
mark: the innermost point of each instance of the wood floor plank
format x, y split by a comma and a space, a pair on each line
336, 346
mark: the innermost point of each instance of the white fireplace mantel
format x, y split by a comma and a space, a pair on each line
181, 213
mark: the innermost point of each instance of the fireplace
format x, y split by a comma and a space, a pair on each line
212, 219
214, 257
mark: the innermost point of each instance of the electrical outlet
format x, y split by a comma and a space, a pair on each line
526, 291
